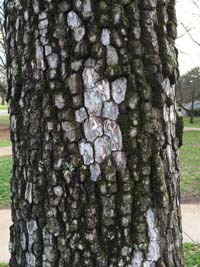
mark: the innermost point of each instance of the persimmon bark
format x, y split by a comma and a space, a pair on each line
91, 92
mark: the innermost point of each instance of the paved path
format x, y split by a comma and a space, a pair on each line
191, 222
5, 222
191, 129
190, 214
3, 112
5, 151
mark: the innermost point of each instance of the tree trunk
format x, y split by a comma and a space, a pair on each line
93, 124
191, 117
192, 108
2, 100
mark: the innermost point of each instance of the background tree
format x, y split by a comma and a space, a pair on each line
3, 87
189, 91
188, 34
91, 88
2, 57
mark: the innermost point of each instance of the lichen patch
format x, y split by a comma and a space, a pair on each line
73, 20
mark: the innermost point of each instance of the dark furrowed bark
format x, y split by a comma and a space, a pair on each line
93, 124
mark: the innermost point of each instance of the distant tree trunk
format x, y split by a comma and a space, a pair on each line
179, 129
91, 88
191, 117
2, 100
192, 108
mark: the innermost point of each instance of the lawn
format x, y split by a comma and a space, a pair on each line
3, 107
4, 120
196, 123
192, 255
190, 164
5, 174
4, 143
4, 131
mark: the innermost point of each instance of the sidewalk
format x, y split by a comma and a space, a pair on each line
5, 222
191, 129
191, 222
5, 151
3, 112
191, 229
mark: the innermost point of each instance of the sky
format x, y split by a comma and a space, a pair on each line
189, 52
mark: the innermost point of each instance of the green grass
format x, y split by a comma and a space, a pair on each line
3, 107
192, 255
4, 120
5, 175
4, 143
4, 136
196, 123
190, 163
3, 264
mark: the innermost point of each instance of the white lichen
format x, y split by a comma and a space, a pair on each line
95, 172
169, 154
59, 101
69, 130
153, 253
93, 103
87, 8
48, 50
137, 259
172, 114
73, 20
117, 14
103, 88
110, 110
13, 123
43, 24
73, 83
93, 128
76, 65
31, 226
153, 248
166, 86
40, 57
90, 77
120, 160
29, 192
80, 115
53, 61
102, 146
30, 259
105, 37
132, 102
36, 7
112, 56
79, 33
42, 15
58, 191
119, 88
90, 62
17, 23
86, 151
166, 113
112, 130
